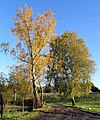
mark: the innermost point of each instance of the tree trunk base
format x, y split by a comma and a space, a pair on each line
73, 101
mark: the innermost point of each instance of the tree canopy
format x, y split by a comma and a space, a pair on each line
71, 67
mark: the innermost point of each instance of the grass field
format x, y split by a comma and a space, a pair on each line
14, 113
89, 103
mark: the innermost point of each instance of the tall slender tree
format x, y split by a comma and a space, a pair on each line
33, 36
12, 83
23, 83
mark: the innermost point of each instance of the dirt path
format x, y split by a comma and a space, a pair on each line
67, 113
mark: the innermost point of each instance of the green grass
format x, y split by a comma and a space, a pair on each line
89, 108
89, 103
14, 113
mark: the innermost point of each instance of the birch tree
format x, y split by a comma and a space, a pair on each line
33, 35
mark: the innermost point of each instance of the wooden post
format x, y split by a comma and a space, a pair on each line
1, 106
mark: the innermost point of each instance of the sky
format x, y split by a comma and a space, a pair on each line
80, 16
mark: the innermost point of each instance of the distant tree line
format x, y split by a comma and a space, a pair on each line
95, 89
